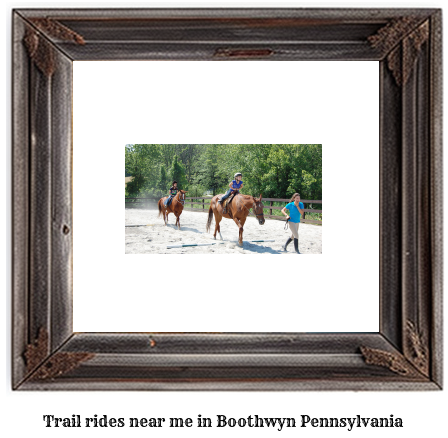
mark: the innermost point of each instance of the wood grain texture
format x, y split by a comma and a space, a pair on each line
20, 196
390, 215
406, 354
436, 195
40, 200
396, 363
61, 201
416, 248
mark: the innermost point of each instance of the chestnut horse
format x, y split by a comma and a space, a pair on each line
176, 207
238, 210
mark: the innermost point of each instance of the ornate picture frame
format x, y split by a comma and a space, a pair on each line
406, 353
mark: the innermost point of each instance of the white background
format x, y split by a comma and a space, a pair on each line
231, 102
422, 413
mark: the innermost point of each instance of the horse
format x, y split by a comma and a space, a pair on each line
176, 207
238, 210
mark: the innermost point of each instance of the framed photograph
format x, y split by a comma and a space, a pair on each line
175, 348
177, 181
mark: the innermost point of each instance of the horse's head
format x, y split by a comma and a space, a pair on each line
258, 210
181, 196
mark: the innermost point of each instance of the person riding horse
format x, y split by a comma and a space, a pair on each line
234, 187
175, 204
237, 210
173, 193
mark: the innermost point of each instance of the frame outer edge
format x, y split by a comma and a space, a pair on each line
38, 305
418, 325
417, 263
201, 13
320, 385
436, 138
20, 199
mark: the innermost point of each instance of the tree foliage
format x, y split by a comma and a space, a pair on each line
273, 170
177, 173
210, 170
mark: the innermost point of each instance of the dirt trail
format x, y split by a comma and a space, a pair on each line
153, 237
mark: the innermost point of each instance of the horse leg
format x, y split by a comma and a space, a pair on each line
218, 218
163, 210
241, 229
166, 213
178, 222
242, 222
218, 222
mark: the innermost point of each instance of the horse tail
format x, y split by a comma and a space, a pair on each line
210, 217
160, 207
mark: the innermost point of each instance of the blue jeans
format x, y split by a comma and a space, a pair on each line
168, 201
227, 195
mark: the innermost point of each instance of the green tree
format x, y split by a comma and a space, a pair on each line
177, 173
274, 170
141, 162
211, 171
306, 171
164, 182
188, 155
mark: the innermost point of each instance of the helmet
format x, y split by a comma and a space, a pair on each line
237, 174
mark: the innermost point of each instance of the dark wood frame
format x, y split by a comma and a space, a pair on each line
406, 354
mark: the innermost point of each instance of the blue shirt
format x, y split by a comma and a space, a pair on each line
236, 185
294, 212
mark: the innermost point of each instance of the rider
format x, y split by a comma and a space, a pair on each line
173, 193
235, 186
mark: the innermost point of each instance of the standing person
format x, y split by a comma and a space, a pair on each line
173, 193
296, 210
234, 186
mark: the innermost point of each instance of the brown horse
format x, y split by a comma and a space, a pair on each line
176, 207
238, 210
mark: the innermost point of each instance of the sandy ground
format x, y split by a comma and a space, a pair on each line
153, 237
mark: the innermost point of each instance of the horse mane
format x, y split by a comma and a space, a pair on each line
249, 197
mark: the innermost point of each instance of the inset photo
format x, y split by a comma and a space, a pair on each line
223, 199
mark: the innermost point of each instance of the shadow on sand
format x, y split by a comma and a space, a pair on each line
247, 246
252, 247
195, 230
